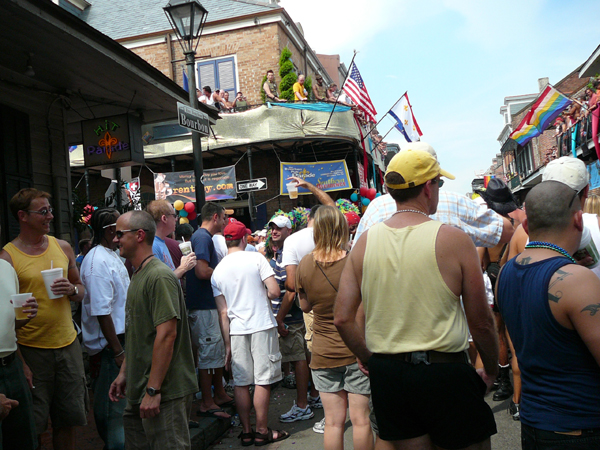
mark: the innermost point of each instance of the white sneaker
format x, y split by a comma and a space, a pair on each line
296, 413
315, 402
319, 427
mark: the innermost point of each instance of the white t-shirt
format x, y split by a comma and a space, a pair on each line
239, 277
209, 100
220, 246
9, 285
297, 246
106, 282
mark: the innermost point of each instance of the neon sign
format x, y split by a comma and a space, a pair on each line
112, 141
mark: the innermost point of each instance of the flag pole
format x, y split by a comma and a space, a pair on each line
388, 133
343, 84
367, 135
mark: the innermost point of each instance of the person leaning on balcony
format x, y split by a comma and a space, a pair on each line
300, 92
270, 88
593, 108
319, 89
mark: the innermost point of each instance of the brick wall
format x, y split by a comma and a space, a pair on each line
257, 50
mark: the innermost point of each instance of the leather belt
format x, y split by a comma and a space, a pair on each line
8, 359
428, 357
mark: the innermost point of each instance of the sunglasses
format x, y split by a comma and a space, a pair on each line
572, 200
120, 233
43, 212
110, 225
439, 181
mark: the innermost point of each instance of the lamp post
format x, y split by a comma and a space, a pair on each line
187, 18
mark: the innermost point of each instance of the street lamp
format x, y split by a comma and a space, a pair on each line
187, 18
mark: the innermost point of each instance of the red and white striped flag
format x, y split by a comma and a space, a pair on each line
355, 89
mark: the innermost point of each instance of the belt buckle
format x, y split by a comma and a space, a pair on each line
419, 357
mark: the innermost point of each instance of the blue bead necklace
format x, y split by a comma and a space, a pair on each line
550, 246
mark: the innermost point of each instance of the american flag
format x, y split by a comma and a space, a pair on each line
357, 91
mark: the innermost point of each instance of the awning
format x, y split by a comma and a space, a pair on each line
89, 73
592, 66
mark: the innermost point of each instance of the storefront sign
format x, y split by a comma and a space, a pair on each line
113, 141
219, 184
327, 175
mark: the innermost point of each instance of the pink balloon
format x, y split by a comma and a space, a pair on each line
189, 207
371, 193
363, 191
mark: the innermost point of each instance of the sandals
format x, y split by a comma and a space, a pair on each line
267, 438
247, 438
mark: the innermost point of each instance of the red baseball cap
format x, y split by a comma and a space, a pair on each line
235, 230
352, 218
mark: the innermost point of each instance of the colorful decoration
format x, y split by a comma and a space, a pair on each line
192, 215
345, 206
183, 213
365, 201
87, 213
178, 205
189, 207
354, 197
183, 220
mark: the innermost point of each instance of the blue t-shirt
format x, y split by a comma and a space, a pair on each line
161, 251
199, 292
294, 315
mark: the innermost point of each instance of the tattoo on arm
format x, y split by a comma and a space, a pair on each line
561, 275
555, 297
592, 309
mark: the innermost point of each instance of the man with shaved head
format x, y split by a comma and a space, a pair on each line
550, 305
157, 377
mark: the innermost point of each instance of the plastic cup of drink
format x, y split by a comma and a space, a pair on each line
587, 247
292, 189
186, 248
18, 301
49, 276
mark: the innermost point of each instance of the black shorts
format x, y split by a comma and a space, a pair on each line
443, 400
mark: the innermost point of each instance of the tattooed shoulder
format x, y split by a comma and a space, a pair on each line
524, 261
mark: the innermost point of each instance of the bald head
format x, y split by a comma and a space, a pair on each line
550, 207
141, 220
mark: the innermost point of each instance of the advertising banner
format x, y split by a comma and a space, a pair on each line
594, 171
326, 175
219, 184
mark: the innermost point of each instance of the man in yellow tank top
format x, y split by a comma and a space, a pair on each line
52, 355
408, 274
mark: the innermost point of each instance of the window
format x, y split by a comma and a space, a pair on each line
218, 74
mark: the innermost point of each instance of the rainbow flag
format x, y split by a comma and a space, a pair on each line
546, 108
486, 180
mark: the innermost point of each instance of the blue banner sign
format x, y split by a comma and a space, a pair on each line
326, 175
594, 171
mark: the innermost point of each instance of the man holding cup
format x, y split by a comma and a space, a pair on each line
49, 345
17, 427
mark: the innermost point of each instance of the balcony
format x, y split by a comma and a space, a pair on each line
577, 137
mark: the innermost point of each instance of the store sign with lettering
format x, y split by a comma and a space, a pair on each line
112, 141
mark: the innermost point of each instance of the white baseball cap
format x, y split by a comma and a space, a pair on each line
281, 222
567, 170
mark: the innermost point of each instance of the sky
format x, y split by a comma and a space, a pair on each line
457, 59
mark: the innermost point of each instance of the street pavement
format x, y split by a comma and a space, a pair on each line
302, 435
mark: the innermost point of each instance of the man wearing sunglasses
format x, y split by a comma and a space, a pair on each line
49, 344
157, 376
408, 275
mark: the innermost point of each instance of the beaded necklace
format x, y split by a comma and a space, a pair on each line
411, 210
550, 246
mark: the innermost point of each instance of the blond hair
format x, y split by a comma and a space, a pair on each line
159, 208
592, 205
330, 233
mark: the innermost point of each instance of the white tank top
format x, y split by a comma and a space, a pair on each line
591, 222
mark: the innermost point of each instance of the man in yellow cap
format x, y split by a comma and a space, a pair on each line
408, 274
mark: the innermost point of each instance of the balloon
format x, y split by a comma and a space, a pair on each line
189, 207
183, 220
192, 215
378, 195
354, 197
371, 193
363, 191
366, 201
183, 213
178, 205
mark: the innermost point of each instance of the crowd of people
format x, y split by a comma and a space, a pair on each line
405, 317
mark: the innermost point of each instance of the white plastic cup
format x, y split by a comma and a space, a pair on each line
49, 276
587, 247
18, 301
292, 189
186, 248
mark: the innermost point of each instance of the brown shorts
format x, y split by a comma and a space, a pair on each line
60, 390
293, 346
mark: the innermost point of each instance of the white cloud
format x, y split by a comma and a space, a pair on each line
340, 26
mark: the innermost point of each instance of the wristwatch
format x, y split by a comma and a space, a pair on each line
75, 292
152, 392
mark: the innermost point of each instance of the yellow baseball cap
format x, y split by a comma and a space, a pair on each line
416, 167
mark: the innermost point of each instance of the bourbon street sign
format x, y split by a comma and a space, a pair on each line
193, 119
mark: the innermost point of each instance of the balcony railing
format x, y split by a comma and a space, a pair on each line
577, 136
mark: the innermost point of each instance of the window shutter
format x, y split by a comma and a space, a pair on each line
206, 75
227, 77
